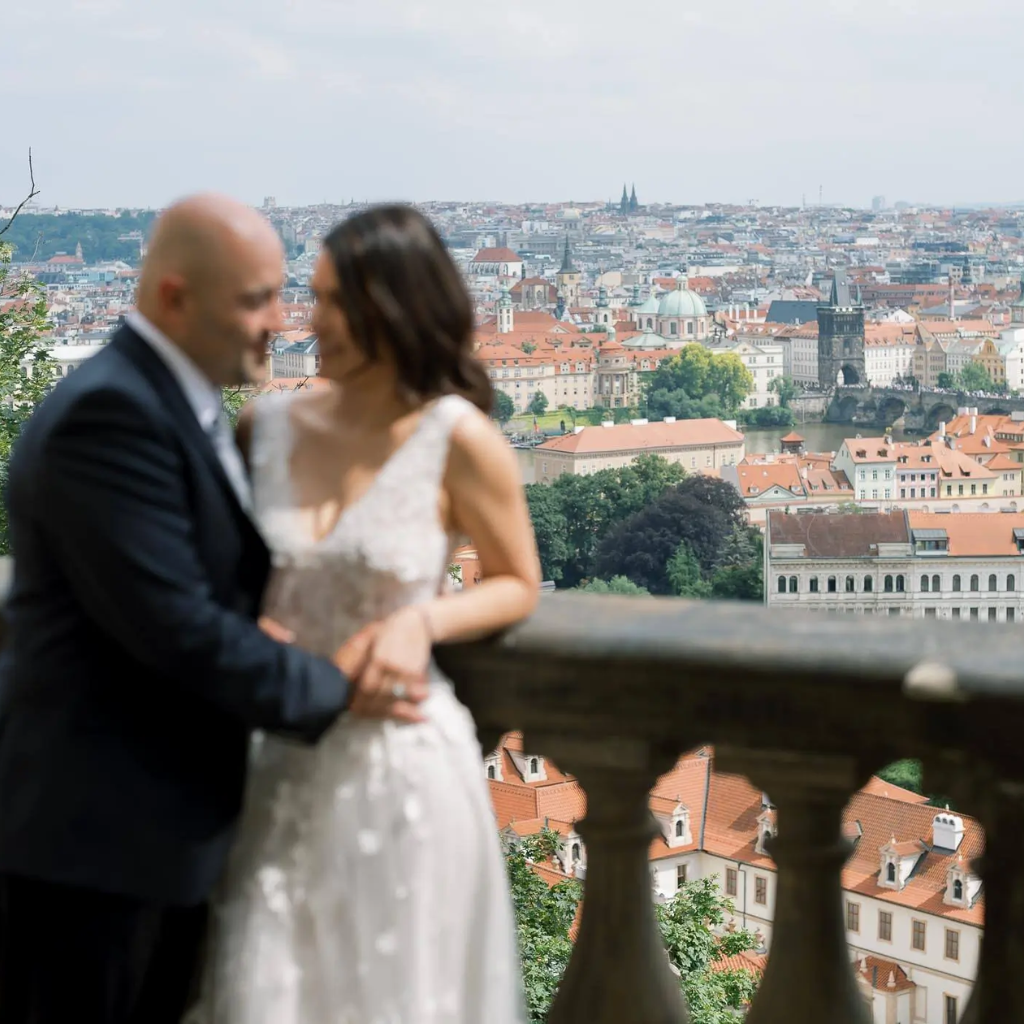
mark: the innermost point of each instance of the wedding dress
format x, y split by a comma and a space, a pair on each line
367, 885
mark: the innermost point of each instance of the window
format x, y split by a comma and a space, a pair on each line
901, 584
761, 890
1009, 615
679, 829
890, 872
974, 613
950, 1014
956, 613
850, 585
992, 585
885, 926
814, 585
958, 889
793, 588
956, 582
852, 916
730, 881
831, 584
534, 765
887, 585
936, 584
1010, 585
869, 584
680, 876
929, 613
491, 774
917, 936
975, 583
925, 584
782, 584
992, 615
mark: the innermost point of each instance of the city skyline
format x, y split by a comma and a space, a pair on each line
325, 101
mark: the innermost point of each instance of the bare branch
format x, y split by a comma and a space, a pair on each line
32, 193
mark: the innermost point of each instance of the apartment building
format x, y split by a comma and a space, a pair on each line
920, 564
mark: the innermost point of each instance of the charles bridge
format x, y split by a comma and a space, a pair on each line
919, 410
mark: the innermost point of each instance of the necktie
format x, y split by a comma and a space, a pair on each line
223, 439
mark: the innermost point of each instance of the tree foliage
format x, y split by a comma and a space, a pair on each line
684, 573
26, 371
504, 408
616, 585
698, 383
539, 404
785, 388
102, 237
701, 511
974, 377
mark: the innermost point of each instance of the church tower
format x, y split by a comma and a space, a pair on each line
841, 336
505, 315
624, 201
568, 279
634, 206
603, 312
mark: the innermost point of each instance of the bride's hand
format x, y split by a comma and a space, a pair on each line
393, 681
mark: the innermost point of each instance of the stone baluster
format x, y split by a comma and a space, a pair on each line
998, 995
809, 977
619, 971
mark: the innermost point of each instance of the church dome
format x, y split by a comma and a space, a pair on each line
649, 307
682, 302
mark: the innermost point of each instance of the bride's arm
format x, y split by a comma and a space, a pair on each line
486, 503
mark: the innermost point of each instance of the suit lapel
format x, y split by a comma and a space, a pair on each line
138, 352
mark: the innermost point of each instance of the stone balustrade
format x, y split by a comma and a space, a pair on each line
807, 706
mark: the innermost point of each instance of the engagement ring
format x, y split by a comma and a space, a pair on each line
398, 690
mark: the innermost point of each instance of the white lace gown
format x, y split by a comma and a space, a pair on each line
367, 885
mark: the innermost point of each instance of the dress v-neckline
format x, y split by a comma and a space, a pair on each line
347, 510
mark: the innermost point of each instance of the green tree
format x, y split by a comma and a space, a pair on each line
739, 574
544, 915
26, 370
549, 528
691, 925
698, 383
616, 585
785, 388
974, 377
539, 404
504, 408
684, 573
729, 379
946, 380
233, 399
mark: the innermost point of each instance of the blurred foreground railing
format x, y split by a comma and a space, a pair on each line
807, 706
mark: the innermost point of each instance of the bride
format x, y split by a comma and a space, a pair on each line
368, 885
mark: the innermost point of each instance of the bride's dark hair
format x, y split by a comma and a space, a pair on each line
399, 288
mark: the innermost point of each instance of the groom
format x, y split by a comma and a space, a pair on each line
135, 669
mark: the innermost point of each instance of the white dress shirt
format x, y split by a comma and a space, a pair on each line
204, 399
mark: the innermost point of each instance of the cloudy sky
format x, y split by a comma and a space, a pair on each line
134, 102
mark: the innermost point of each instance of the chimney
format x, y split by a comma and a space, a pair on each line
942, 430
891, 983
974, 424
947, 831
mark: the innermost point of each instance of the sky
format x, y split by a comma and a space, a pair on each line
136, 102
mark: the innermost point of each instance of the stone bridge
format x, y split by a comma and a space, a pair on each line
918, 410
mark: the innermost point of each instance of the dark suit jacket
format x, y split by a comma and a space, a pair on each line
134, 670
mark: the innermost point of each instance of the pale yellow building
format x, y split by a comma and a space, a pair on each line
697, 445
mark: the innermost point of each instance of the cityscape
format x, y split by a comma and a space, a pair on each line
818, 408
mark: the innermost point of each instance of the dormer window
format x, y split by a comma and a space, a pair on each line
678, 832
492, 767
765, 830
534, 765
962, 888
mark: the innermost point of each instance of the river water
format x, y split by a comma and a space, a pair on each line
818, 437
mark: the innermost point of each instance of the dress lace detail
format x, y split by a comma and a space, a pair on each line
367, 885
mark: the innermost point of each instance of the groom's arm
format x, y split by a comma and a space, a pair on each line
111, 493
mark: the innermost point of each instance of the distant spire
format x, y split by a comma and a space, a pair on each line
567, 267
633, 204
624, 201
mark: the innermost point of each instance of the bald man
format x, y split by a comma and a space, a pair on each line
135, 669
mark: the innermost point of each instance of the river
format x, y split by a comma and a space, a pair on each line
818, 437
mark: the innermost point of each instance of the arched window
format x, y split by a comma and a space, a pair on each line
956, 582
901, 584
992, 585
575, 851
1010, 583
975, 583
782, 584
534, 765
936, 584
814, 585
958, 889
793, 584
679, 828
887, 584
831, 584
924, 584
491, 774
869, 584
851, 586
890, 872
